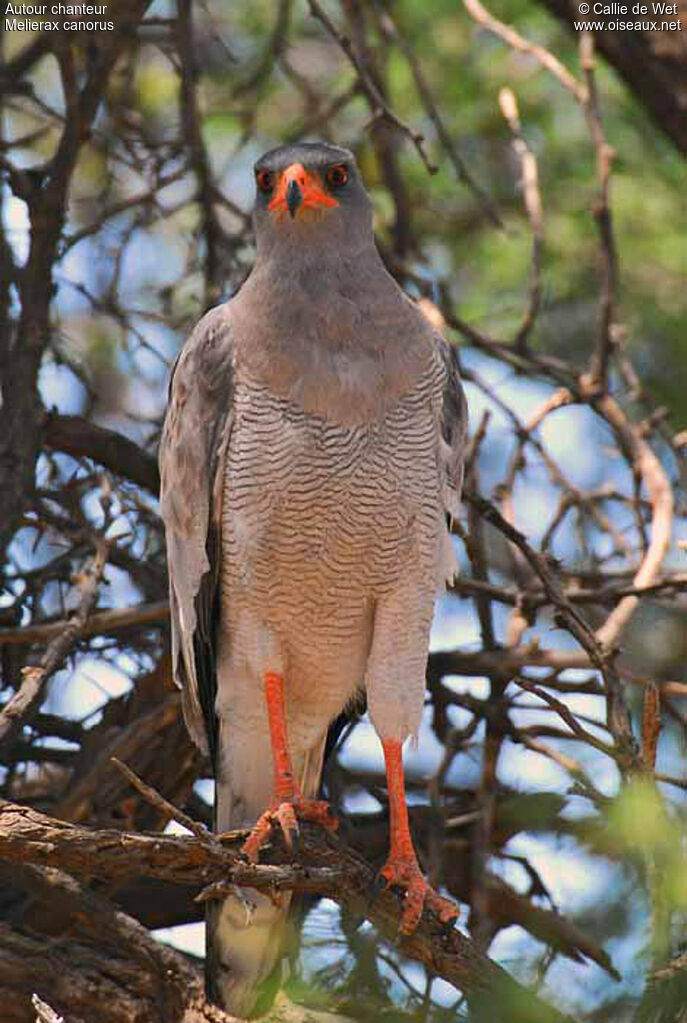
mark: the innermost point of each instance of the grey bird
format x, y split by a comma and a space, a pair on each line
312, 450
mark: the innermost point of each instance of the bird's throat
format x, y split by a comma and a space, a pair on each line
337, 338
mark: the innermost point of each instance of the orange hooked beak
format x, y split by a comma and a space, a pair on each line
298, 187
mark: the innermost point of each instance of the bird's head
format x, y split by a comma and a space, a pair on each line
310, 192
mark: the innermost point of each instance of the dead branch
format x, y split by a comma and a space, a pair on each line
45, 1014
648, 468
82, 438
602, 213
547, 60
29, 837
17, 711
529, 184
380, 107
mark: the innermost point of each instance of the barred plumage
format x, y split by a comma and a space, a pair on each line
312, 448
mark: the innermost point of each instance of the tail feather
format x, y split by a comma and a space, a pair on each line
246, 934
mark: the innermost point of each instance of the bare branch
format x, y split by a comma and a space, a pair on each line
29, 696
380, 108
529, 183
30, 837
482, 16
82, 438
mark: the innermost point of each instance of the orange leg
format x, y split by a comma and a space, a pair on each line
401, 867
288, 802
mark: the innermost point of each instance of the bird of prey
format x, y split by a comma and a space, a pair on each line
312, 449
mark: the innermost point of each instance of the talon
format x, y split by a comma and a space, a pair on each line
405, 873
258, 837
402, 868
378, 885
288, 804
285, 815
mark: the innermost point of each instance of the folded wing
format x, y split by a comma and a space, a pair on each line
192, 451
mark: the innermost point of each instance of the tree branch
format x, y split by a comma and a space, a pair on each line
27, 836
82, 438
31, 691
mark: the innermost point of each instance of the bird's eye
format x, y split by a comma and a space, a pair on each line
265, 180
337, 176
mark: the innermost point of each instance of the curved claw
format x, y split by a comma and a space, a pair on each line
285, 816
378, 885
258, 837
406, 874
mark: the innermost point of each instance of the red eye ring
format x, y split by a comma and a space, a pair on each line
337, 176
265, 180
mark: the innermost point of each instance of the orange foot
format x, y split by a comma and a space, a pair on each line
404, 872
285, 816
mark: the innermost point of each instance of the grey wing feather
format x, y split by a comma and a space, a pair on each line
192, 457
454, 428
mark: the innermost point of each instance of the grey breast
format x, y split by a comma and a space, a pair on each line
319, 516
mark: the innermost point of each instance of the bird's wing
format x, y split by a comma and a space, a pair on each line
192, 457
454, 428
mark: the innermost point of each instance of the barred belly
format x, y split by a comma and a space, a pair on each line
320, 523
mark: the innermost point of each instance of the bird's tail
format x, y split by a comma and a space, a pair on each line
246, 934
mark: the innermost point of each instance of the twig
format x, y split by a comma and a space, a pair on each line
568, 614
160, 803
390, 28
587, 97
380, 108
272, 53
482, 16
100, 623
530, 189
649, 469
212, 230
141, 199
618, 715
17, 711
30, 837
82, 438
602, 213
566, 714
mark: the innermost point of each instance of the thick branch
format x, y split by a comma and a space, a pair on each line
29, 837
199, 160
81, 438
654, 65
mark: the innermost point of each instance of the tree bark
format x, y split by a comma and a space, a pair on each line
653, 63
27, 837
